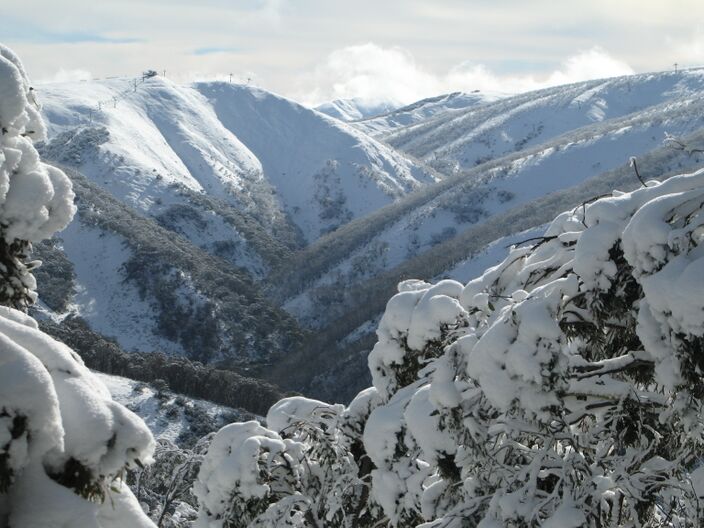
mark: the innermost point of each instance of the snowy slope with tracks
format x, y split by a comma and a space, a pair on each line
260, 153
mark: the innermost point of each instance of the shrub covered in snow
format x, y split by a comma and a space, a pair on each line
164, 487
64, 443
302, 471
562, 388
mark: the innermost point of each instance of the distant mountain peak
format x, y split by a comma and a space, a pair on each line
356, 108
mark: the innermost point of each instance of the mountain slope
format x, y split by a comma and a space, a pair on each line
355, 109
150, 143
168, 415
395, 218
383, 124
458, 226
350, 331
325, 172
464, 139
155, 291
391, 235
161, 151
178, 216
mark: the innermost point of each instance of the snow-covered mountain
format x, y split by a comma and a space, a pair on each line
260, 153
347, 316
485, 132
356, 108
476, 195
462, 225
155, 149
324, 172
509, 165
171, 416
208, 187
422, 110
153, 290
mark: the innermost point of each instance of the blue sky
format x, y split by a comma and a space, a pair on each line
315, 50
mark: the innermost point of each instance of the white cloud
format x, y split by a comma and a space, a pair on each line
272, 10
66, 75
594, 63
282, 39
688, 51
374, 73
591, 64
369, 72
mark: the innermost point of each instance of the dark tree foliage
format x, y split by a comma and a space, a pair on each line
236, 322
16, 282
55, 276
182, 375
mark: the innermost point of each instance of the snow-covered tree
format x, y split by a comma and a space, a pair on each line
64, 443
302, 471
562, 388
165, 486
36, 200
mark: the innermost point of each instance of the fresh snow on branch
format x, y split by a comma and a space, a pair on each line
63, 442
36, 200
562, 388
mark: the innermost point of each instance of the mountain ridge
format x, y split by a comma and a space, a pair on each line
331, 286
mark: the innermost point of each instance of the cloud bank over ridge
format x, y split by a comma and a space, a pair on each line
375, 73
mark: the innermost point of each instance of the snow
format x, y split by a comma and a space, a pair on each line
232, 463
35, 200
42, 503
45, 382
262, 152
156, 147
512, 345
111, 305
12, 83
526, 120
426, 428
423, 110
355, 109
325, 172
26, 390
393, 480
232, 142
509, 181
455, 365
160, 129
150, 407
512, 399
490, 255
289, 411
